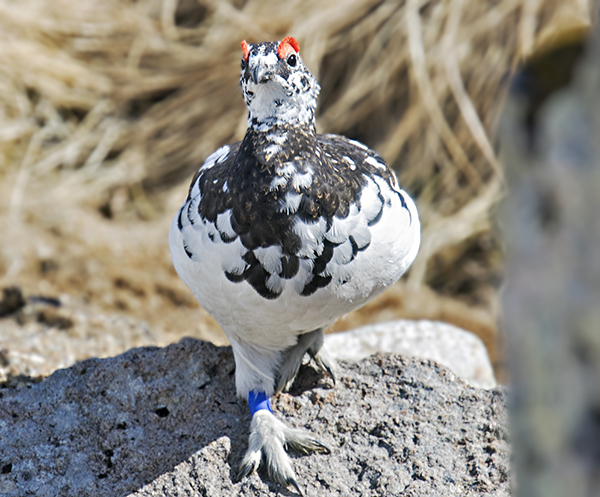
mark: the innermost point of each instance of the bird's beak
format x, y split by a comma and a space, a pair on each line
260, 75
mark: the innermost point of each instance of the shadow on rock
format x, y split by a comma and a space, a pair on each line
166, 422
109, 426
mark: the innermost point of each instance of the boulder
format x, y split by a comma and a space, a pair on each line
461, 351
166, 422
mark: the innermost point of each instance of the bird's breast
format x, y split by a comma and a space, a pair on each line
296, 243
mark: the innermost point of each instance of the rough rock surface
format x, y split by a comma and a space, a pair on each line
459, 350
165, 421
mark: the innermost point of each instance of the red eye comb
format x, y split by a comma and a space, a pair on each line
287, 45
245, 49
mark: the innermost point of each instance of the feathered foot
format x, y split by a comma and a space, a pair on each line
269, 439
292, 359
324, 363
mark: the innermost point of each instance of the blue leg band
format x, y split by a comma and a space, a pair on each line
258, 401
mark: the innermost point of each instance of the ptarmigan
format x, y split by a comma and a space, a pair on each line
281, 234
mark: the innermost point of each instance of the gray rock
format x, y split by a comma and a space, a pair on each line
457, 349
165, 421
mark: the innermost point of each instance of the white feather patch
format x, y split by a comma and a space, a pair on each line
277, 138
290, 203
370, 202
374, 162
287, 169
267, 60
350, 162
303, 276
224, 224
359, 144
272, 149
361, 233
231, 255
342, 254
277, 182
386, 189
193, 215
302, 180
275, 283
341, 229
311, 235
182, 217
340, 273
219, 156
269, 258
196, 188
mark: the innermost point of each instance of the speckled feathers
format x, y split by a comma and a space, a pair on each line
281, 234
265, 196
285, 231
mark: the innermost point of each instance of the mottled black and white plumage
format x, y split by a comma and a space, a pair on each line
284, 232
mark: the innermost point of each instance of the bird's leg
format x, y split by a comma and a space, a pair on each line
269, 439
292, 359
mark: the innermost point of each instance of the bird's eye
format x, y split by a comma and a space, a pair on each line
291, 60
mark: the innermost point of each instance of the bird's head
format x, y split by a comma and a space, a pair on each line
278, 89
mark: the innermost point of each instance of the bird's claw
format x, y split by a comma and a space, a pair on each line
294, 483
324, 364
308, 445
268, 440
249, 464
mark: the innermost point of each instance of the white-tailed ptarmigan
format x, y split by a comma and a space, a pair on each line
281, 234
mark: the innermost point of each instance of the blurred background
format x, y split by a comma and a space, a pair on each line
108, 108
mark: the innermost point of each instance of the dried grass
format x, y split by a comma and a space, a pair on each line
109, 104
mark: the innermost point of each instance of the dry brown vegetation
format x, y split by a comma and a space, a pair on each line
107, 109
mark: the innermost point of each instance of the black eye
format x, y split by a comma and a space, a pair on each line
291, 60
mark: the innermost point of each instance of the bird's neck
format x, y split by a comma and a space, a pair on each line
283, 142
262, 122
271, 107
